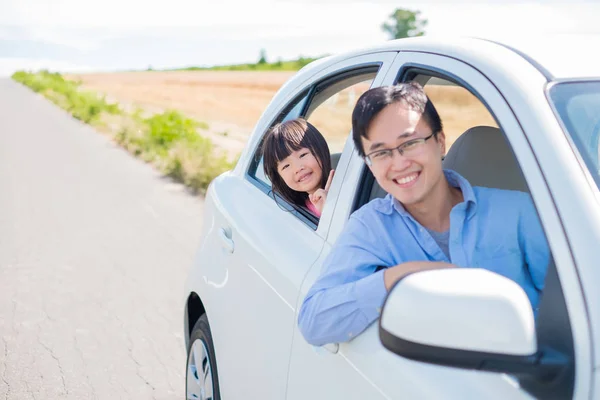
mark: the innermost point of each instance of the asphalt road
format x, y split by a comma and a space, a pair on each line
94, 249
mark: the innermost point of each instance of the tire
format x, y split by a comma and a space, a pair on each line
201, 377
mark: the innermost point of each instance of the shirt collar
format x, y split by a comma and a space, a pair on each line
454, 179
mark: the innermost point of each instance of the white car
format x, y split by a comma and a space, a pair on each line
524, 118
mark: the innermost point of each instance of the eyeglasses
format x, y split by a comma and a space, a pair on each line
383, 156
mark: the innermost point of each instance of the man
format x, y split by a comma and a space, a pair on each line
430, 219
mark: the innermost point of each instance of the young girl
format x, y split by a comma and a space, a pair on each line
298, 163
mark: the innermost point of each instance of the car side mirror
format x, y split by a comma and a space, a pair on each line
467, 318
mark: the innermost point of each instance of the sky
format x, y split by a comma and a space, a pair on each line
107, 35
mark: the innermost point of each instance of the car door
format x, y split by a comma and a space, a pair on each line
362, 367
267, 247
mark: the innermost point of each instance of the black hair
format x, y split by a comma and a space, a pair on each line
281, 141
373, 101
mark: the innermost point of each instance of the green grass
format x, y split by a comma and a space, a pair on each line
292, 65
169, 140
169, 127
85, 106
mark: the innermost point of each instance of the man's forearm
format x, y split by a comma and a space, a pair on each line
338, 314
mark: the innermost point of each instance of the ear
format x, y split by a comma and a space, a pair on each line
441, 139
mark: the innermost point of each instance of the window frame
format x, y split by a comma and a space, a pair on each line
548, 304
307, 94
574, 140
327, 83
406, 72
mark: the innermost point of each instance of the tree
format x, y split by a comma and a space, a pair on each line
404, 23
263, 57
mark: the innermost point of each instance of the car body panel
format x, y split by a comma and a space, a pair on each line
379, 374
355, 352
252, 296
255, 290
519, 104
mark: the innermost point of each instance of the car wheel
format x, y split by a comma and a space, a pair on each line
202, 381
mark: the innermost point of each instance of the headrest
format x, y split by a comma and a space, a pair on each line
335, 159
483, 156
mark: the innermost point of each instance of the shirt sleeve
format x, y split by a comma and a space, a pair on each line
349, 294
533, 241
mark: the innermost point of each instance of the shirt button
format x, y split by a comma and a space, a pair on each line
350, 334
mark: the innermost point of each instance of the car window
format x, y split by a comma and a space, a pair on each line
484, 156
293, 110
463, 112
328, 106
477, 149
577, 105
331, 108
457, 106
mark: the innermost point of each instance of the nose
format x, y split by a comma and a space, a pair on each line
298, 167
399, 162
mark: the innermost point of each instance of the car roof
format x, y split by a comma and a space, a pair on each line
563, 56
555, 56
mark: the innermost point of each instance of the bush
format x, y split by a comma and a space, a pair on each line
169, 127
88, 107
291, 65
195, 163
85, 106
170, 140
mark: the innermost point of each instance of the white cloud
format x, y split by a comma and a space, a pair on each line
271, 16
134, 14
225, 31
499, 20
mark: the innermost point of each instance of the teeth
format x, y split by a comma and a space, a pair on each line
406, 179
302, 179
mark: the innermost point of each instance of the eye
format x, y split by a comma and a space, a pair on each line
304, 154
411, 145
284, 166
381, 154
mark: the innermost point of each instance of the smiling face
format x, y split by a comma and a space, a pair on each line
296, 156
301, 171
413, 177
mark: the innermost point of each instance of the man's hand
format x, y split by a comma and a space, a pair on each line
319, 197
394, 274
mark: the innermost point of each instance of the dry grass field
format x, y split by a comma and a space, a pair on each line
458, 109
232, 101
229, 101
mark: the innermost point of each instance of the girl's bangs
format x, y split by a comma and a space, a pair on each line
287, 141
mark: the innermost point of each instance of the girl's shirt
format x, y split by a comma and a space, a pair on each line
311, 207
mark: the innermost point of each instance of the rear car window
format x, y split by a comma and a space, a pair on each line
577, 105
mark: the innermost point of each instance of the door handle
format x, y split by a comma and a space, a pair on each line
226, 240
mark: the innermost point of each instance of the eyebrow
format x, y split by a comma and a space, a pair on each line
379, 145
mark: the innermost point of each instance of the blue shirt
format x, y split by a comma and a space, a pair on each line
494, 229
